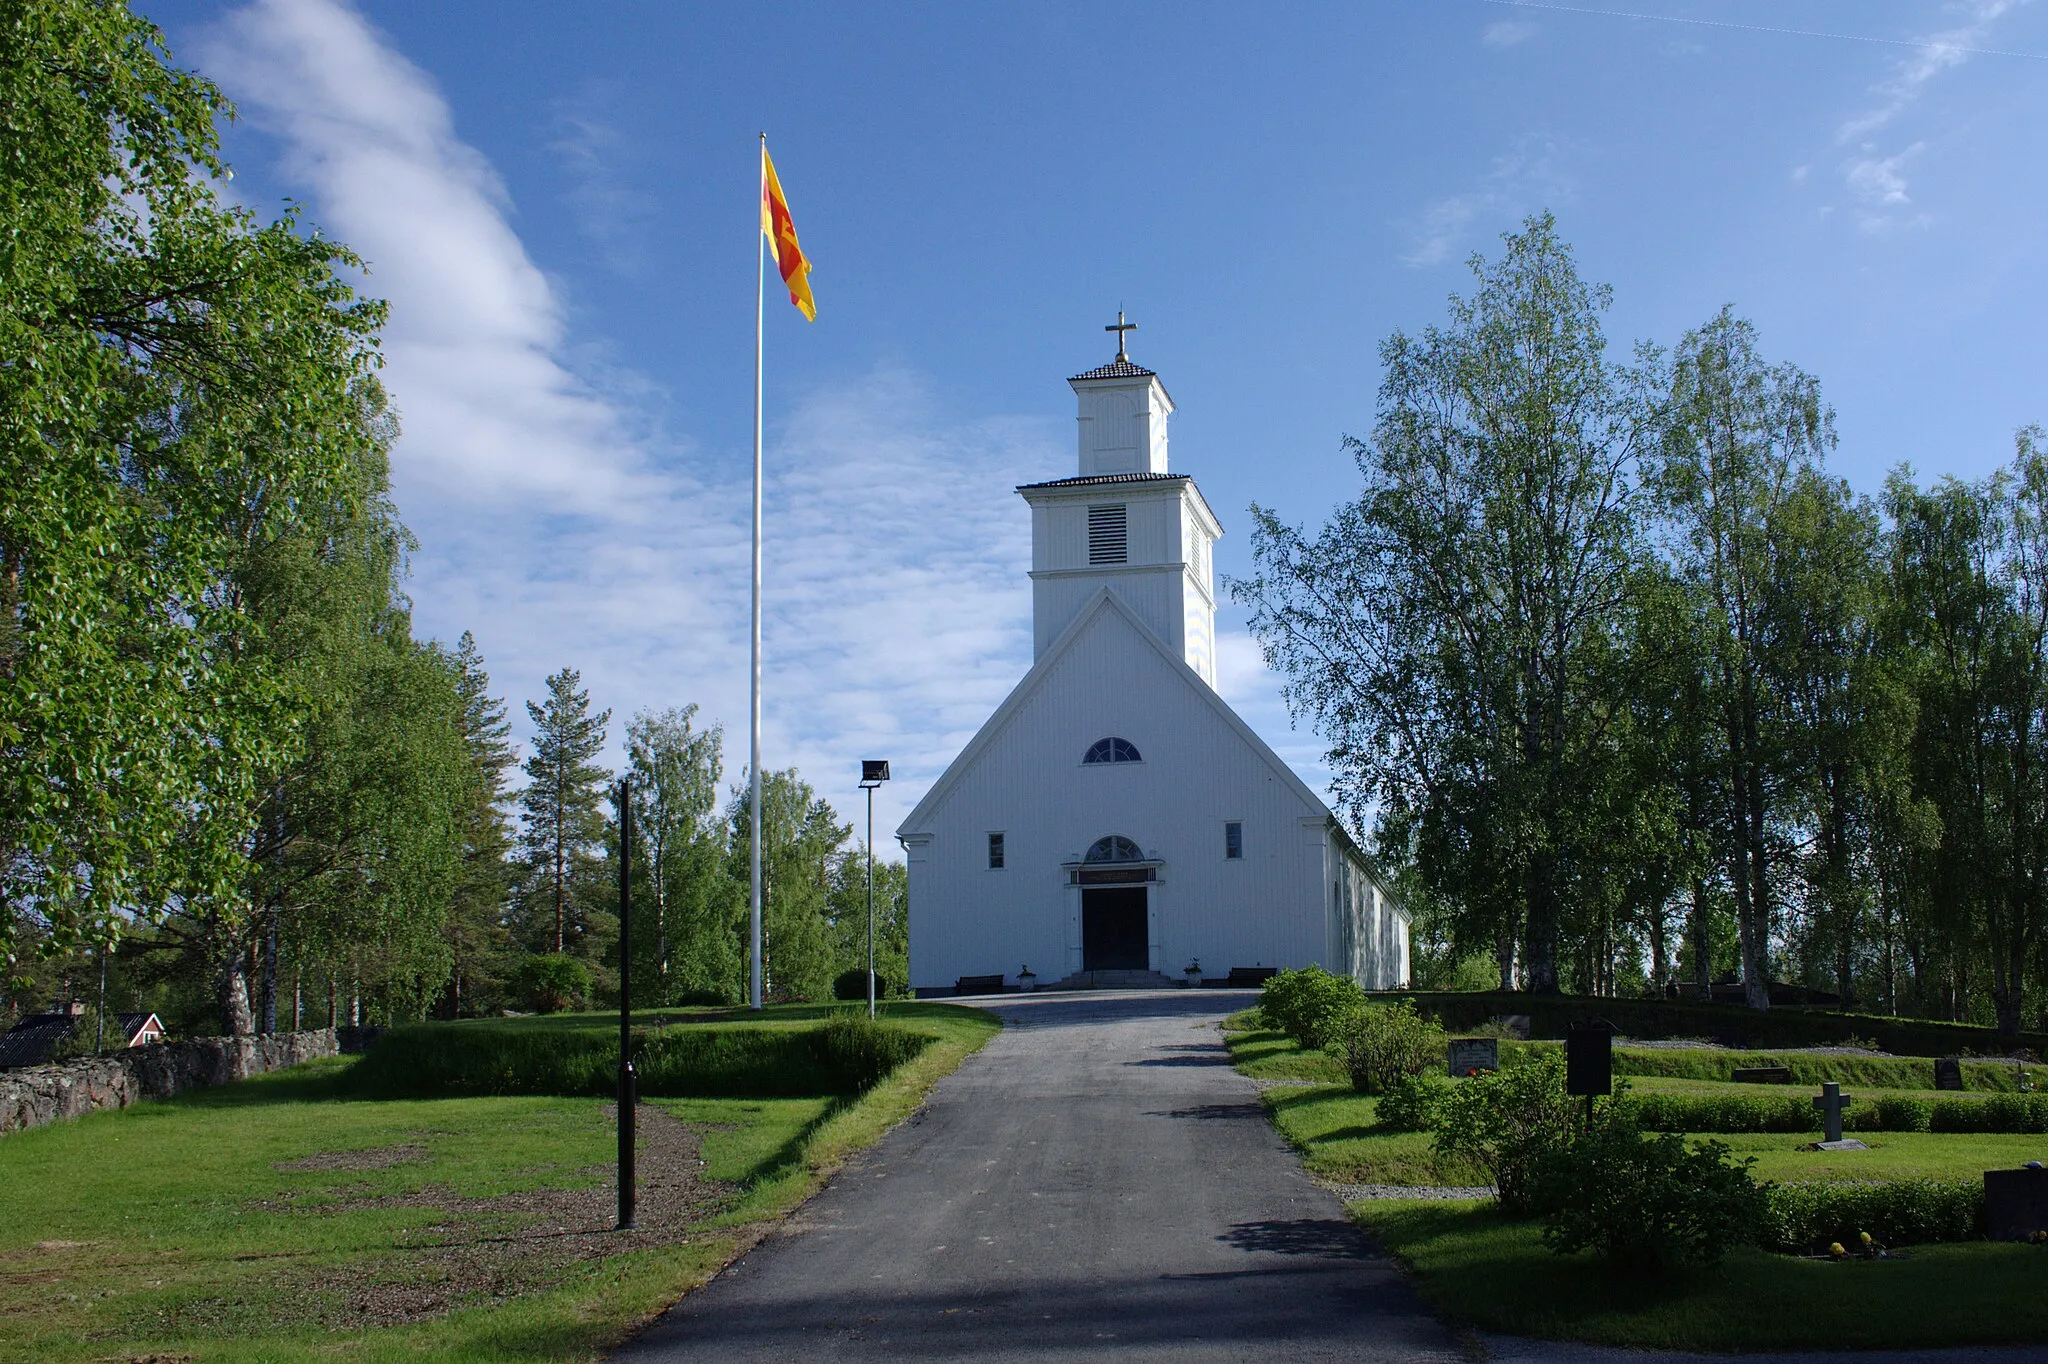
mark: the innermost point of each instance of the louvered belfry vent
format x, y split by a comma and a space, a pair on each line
1108, 543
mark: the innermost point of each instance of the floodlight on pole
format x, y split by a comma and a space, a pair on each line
873, 772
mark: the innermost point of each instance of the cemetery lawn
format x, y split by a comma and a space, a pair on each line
280, 1218
1477, 1269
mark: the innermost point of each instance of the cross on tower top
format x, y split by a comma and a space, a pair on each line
1120, 327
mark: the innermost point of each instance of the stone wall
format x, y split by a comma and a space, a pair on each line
36, 1095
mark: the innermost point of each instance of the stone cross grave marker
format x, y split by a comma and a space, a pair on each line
2016, 1202
1831, 1103
1466, 1055
1948, 1072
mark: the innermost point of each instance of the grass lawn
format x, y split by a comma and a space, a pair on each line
278, 1218
1477, 1269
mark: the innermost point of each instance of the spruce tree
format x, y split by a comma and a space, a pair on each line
562, 806
476, 925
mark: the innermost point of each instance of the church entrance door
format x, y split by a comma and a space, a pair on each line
1113, 936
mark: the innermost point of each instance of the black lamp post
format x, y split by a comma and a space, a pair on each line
629, 1097
873, 772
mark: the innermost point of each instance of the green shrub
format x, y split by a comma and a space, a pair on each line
1647, 1203
1895, 1113
1805, 1218
844, 1056
1382, 1044
1999, 1113
1720, 1112
1505, 1122
1308, 1004
1411, 1103
853, 985
550, 983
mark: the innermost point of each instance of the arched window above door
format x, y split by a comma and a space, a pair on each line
1115, 848
1112, 750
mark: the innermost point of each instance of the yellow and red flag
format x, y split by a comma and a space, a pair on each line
782, 243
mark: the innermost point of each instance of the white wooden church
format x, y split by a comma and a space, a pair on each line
1115, 822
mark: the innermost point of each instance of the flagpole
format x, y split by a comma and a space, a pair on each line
754, 706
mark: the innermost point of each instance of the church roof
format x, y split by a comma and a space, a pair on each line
1090, 480
1119, 368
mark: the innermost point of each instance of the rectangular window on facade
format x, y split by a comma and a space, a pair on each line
1108, 539
1233, 839
995, 852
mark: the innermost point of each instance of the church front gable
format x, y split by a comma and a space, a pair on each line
1114, 741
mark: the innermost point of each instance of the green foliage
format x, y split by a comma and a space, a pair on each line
688, 911
846, 1055
801, 836
1806, 1218
550, 982
1647, 1203
1413, 1103
1451, 632
853, 985
2012, 1113
1507, 1122
562, 817
1383, 1044
479, 949
2000, 1113
183, 387
1309, 1004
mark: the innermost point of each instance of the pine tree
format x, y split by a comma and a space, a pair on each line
562, 806
476, 925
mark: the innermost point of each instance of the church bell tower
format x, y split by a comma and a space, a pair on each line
1124, 521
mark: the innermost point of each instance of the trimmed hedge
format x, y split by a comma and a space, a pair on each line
1551, 1015
1805, 1218
844, 1056
1726, 1113
1808, 1068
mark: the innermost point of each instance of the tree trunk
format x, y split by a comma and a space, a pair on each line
269, 986
1702, 940
231, 989
1540, 934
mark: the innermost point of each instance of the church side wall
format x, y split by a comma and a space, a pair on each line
1265, 909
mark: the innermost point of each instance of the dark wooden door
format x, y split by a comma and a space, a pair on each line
1113, 936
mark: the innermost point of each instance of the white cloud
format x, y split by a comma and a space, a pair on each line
1877, 179
1518, 183
557, 524
610, 212
1507, 33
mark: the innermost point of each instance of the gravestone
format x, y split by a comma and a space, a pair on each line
2015, 1203
1589, 1060
1948, 1072
1831, 1103
1467, 1055
1761, 1075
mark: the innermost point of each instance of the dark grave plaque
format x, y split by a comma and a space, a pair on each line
1948, 1072
1761, 1075
1467, 1055
2015, 1203
1589, 1059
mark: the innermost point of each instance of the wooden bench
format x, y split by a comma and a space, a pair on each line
1761, 1075
979, 985
1243, 977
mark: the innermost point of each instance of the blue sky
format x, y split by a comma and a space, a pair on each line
558, 201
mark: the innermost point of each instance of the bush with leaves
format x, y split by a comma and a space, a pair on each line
1805, 1218
1411, 1103
1383, 1044
1507, 1121
1648, 1203
551, 982
1308, 1004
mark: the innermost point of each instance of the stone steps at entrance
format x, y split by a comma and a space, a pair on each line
1115, 980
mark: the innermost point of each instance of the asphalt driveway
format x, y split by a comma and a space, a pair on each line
1095, 1183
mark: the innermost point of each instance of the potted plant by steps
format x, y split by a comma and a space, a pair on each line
1193, 971
1026, 981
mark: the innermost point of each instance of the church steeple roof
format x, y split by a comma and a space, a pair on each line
1119, 368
